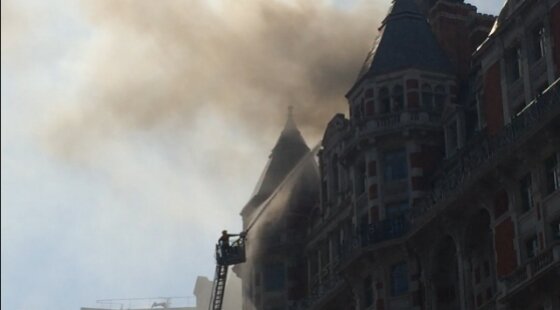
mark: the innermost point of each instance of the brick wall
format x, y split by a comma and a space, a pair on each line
506, 258
493, 108
447, 21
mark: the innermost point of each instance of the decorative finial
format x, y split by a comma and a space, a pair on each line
290, 124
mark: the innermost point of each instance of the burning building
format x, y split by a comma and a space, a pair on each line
276, 218
440, 190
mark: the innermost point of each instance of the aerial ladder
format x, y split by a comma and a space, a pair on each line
226, 255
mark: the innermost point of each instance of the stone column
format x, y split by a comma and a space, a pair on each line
462, 286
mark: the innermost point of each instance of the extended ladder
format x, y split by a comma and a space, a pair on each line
219, 287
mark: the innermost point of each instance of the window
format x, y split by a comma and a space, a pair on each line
370, 108
439, 98
514, 67
368, 291
271, 235
396, 209
359, 175
427, 97
486, 269
481, 112
384, 100
537, 43
369, 93
395, 166
526, 193
274, 277
532, 246
398, 98
399, 279
335, 178
452, 138
555, 226
552, 174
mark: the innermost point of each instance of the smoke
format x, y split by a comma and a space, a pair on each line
151, 66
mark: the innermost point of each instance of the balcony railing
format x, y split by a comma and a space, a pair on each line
532, 269
484, 150
318, 294
396, 120
385, 230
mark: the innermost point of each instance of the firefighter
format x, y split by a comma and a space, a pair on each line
224, 242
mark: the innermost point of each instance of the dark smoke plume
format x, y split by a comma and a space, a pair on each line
159, 64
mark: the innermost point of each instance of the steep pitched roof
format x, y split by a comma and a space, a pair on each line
285, 155
405, 41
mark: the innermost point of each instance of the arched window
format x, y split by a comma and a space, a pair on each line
398, 98
427, 97
384, 100
439, 98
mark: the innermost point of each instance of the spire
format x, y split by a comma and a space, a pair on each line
405, 41
290, 123
285, 155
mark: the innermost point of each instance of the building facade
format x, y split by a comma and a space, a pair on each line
441, 189
275, 219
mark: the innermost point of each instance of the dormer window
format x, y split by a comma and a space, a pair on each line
384, 100
398, 98
439, 98
427, 97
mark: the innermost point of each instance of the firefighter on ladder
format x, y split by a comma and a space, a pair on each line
224, 241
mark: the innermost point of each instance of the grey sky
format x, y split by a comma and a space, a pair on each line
102, 196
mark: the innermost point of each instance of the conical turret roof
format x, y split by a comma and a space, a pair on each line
288, 151
405, 41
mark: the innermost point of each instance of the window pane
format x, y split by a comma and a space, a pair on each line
526, 193
398, 98
427, 97
395, 165
537, 43
552, 172
532, 246
397, 209
274, 277
399, 279
384, 100
514, 64
368, 291
556, 230
439, 99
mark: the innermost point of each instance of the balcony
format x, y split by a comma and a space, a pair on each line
485, 151
385, 230
531, 271
320, 294
369, 236
396, 121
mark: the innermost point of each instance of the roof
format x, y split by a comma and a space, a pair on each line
405, 41
288, 151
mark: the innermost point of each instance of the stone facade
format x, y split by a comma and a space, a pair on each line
441, 190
